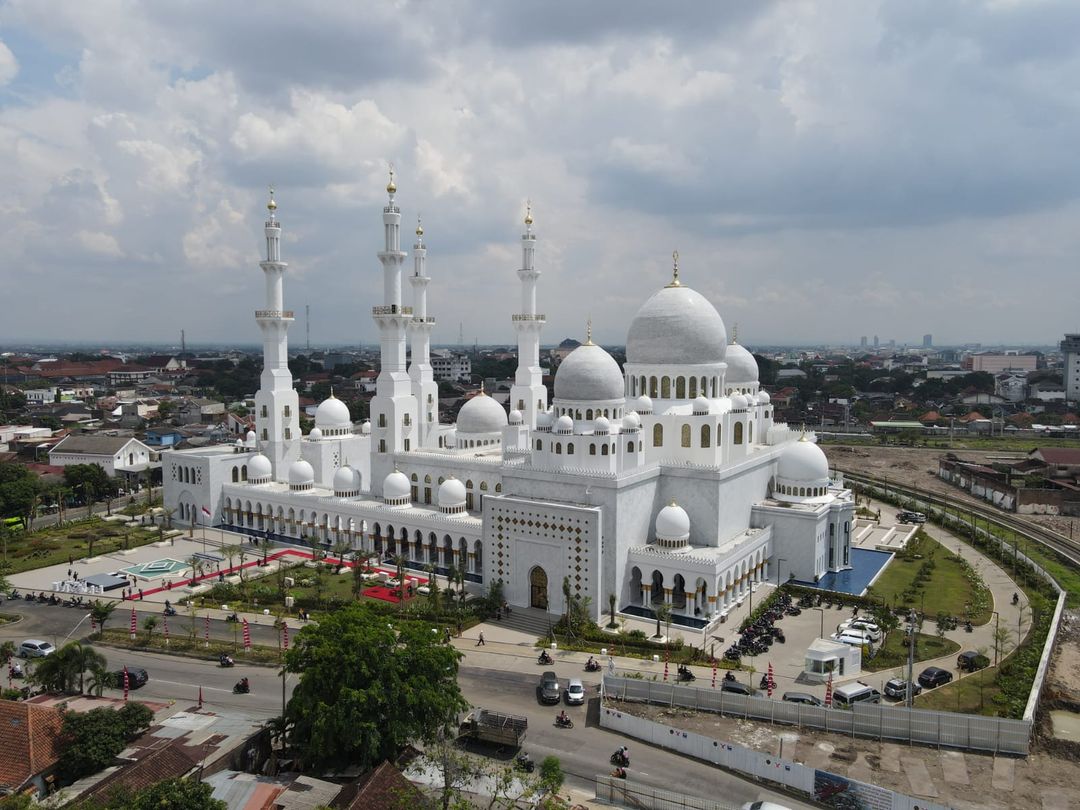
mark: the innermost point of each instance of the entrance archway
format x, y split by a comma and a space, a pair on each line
538, 588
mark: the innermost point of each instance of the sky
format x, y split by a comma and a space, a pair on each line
826, 170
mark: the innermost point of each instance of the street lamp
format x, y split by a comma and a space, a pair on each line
997, 636
778, 561
821, 631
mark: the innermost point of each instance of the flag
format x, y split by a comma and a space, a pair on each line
206, 629
285, 635
200, 697
247, 635
828, 693
770, 683
127, 683
165, 625
206, 511
134, 623
714, 673
666, 657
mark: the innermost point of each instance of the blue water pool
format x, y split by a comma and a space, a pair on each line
866, 564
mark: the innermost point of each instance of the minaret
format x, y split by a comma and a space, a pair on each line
277, 418
393, 408
424, 388
528, 393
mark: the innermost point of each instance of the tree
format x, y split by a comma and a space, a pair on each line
18, 489
367, 688
942, 622
90, 741
170, 794
63, 670
551, 776
435, 595
100, 678
101, 612
399, 563
341, 547
149, 623
663, 614
357, 579
611, 601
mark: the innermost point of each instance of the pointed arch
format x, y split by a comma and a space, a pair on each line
706, 439
658, 435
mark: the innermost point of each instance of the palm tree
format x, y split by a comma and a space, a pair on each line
451, 575
663, 614
340, 547
101, 612
231, 553
149, 623
7, 651
100, 678
83, 658
399, 561
611, 608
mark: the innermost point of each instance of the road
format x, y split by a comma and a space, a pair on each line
583, 750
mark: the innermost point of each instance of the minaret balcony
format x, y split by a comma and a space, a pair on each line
270, 314
391, 309
423, 319
528, 317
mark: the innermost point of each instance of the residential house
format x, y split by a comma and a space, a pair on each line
117, 455
31, 746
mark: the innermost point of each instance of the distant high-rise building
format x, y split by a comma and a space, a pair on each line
892, 344
1070, 350
862, 342
927, 341
876, 341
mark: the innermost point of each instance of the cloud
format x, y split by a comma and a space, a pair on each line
9, 65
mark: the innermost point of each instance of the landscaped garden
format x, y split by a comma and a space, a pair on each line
24, 551
894, 651
930, 579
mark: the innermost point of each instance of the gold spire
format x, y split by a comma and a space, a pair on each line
672, 503
272, 205
675, 270
419, 227
391, 187
528, 212
482, 392
588, 332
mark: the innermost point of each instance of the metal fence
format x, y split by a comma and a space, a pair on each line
623, 792
893, 723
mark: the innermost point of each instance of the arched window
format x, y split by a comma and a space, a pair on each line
235, 474
706, 439
641, 386
441, 479
588, 414
427, 479
498, 487
603, 450
468, 484
658, 435
680, 388
652, 387
413, 478
558, 448
243, 473
483, 486
693, 387
665, 388
570, 448
592, 449
539, 445
685, 435
629, 447
738, 432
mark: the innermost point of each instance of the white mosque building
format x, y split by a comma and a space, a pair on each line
666, 481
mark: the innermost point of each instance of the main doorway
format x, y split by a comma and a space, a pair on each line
538, 584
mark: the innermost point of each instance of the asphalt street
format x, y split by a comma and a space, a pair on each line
584, 750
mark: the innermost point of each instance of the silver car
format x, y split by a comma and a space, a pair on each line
35, 648
575, 692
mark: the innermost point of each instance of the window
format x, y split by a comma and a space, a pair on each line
539, 445
693, 387
558, 448
406, 420
680, 388
685, 435
382, 420
652, 387
430, 399
521, 405
288, 433
629, 447
407, 444
262, 412
235, 474
738, 432
592, 449
749, 432
719, 435
658, 435
603, 450
264, 434
287, 412
483, 486
570, 449
706, 439
665, 388
382, 445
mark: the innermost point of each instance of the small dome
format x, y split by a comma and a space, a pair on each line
741, 365
589, 374
300, 473
803, 461
763, 398
676, 326
450, 437
251, 438
451, 494
701, 405
396, 487
631, 421
366, 427
481, 414
314, 434
564, 424
544, 419
515, 417
601, 426
332, 413
738, 402
642, 404
259, 468
672, 523
346, 479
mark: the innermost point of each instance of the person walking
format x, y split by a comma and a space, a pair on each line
480, 641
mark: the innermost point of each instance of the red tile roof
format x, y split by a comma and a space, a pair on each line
1057, 455
173, 760
31, 741
384, 788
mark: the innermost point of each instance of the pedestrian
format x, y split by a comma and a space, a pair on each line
459, 628
447, 635
69, 574
480, 641
140, 593
71, 559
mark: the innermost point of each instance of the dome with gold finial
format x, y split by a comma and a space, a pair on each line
419, 228
271, 206
528, 213
391, 187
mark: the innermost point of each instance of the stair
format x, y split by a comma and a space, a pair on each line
533, 621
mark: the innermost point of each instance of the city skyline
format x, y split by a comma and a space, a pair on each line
816, 184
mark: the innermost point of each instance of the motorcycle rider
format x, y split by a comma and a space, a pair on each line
243, 686
225, 660
544, 657
591, 663
562, 719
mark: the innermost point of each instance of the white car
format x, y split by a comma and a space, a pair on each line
867, 628
35, 648
575, 692
851, 637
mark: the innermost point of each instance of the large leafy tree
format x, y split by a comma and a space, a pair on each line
91, 740
367, 688
90, 480
170, 794
19, 489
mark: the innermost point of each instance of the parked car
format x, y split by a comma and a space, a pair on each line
911, 517
575, 692
855, 638
846, 696
896, 688
864, 626
802, 697
934, 676
35, 648
137, 676
548, 690
970, 661
737, 688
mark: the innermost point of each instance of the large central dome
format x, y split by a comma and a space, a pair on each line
588, 374
677, 326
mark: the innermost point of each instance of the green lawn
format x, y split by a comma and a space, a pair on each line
893, 653
182, 643
972, 694
38, 549
947, 589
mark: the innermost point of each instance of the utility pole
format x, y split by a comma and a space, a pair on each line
183, 342
910, 658
307, 325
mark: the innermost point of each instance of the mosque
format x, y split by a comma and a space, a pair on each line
665, 481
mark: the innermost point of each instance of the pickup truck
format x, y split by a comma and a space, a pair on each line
485, 725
